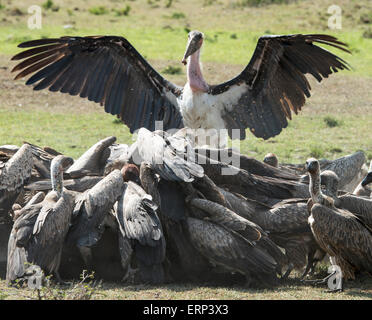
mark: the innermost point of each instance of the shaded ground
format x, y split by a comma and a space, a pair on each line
292, 290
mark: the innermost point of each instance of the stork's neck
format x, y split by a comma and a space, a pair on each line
194, 73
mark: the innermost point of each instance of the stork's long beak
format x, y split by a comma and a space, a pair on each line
193, 45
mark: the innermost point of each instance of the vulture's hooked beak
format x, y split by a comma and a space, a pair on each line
194, 44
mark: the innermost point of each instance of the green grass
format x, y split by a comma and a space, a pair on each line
59, 130
250, 3
144, 28
332, 122
172, 70
123, 12
47, 4
178, 15
307, 136
98, 10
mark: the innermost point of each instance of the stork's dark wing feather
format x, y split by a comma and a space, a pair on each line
104, 69
273, 84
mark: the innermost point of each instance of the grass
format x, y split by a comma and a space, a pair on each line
98, 10
172, 70
335, 121
123, 12
292, 289
367, 34
178, 15
60, 130
251, 3
332, 122
47, 4
144, 27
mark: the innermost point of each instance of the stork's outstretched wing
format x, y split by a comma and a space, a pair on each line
104, 69
273, 84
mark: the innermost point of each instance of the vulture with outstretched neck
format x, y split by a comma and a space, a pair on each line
332, 229
109, 70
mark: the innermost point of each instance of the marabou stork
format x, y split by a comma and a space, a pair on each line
109, 70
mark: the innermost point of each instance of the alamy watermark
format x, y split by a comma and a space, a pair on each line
211, 144
335, 20
35, 277
35, 20
335, 279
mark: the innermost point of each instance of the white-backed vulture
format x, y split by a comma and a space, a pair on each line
39, 232
341, 234
14, 174
140, 224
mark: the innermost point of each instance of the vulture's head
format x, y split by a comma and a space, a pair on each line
312, 166
194, 43
330, 181
130, 172
61, 163
272, 160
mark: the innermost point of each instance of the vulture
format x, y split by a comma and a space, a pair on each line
227, 249
349, 169
93, 161
91, 209
270, 189
13, 176
363, 188
171, 156
227, 218
233, 157
287, 226
85, 172
272, 160
183, 262
110, 71
360, 206
139, 223
333, 227
39, 232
